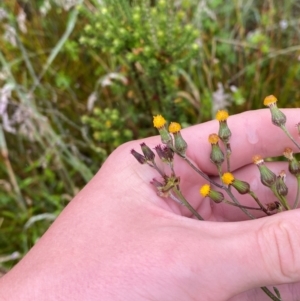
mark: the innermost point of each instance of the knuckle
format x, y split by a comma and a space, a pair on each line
279, 244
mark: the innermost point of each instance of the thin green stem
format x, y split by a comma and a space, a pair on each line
228, 163
296, 203
283, 127
172, 168
201, 173
228, 153
206, 177
175, 198
277, 292
259, 203
180, 196
285, 202
241, 206
270, 294
237, 202
219, 171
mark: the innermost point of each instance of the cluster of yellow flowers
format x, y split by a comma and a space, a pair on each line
268, 178
173, 143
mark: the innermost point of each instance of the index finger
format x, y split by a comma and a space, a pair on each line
252, 133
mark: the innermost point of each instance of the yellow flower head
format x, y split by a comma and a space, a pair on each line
227, 178
174, 127
257, 159
222, 115
205, 190
159, 121
270, 100
213, 138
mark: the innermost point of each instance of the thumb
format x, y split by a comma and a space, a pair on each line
237, 257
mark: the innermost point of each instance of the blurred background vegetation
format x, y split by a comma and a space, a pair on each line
80, 77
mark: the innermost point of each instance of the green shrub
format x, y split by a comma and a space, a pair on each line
152, 41
108, 128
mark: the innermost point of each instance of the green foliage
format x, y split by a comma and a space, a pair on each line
108, 130
153, 41
155, 36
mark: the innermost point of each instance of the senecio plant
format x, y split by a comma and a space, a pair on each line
173, 143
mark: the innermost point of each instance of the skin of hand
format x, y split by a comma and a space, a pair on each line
117, 240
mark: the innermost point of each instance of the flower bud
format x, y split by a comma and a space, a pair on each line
267, 177
179, 143
148, 153
160, 187
214, 195
280, 184
216, 155
241, 186
294, 166
159, 122
165, 153
224, 131
278, 118
140, 158
288, 153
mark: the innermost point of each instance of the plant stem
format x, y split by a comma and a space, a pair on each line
228, 153
241, 206
201, 173
283, 127
219, 171
296, 203
237, 202
259, 203
206, 177
270, 294
277, 292
177, 191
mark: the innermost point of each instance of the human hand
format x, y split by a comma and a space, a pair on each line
117, 240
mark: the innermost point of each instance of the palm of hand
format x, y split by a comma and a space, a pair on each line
248, 140
253, 134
